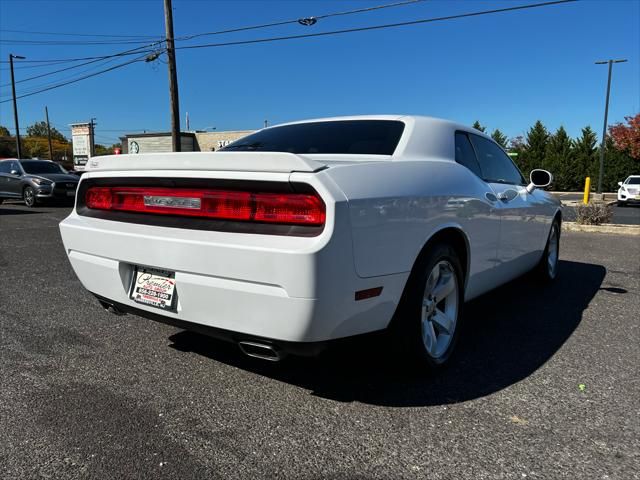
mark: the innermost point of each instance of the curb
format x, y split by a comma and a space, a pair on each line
576, 203
604, 228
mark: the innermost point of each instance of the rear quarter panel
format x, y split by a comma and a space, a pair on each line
396, 207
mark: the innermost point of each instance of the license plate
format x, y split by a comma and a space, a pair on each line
71, 194
154, 287
637, 197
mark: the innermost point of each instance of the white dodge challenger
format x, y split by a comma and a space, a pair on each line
307, 232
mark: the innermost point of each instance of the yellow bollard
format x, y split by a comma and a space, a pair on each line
587, 190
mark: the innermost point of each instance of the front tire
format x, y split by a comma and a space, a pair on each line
428, 320
29, 197
621, 203
548, 266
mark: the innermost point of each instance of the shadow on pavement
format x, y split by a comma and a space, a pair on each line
508, 334
16, 211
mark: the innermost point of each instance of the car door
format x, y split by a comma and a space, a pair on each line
522, 214
14, 181
4, 170
483, 227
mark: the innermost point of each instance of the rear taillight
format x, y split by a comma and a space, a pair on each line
284, 208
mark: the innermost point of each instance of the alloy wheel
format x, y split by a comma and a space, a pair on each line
552, 252
439, 309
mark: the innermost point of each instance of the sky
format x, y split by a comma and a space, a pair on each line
506, 70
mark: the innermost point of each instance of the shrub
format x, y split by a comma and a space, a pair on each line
594, 213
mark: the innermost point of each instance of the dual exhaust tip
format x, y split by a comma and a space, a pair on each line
262, 351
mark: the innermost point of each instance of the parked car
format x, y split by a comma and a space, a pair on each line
629, 191
307, 232
35, 181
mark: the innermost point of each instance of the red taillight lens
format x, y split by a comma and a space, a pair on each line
284, 208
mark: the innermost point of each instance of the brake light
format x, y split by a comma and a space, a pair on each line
284, 208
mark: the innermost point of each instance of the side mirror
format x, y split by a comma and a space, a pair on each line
15, 172
620, 183
539, 179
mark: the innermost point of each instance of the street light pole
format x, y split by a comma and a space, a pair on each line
603, 146
15, 104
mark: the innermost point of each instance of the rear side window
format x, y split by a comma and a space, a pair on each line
465, 154
496, 165
366, 137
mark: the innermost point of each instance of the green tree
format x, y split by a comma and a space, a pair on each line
39, 129
500, 138
618, 165
478, 126
4, 131
585, 161
559, 157
535, 148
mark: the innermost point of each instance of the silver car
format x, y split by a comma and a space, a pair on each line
35, 181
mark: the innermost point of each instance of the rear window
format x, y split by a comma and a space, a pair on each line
365, 137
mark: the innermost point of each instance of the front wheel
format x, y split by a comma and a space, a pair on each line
428, 320
621, 203
548, 266
29, 197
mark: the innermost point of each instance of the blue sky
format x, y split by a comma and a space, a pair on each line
507, 69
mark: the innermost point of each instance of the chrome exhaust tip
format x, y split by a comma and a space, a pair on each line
262, 351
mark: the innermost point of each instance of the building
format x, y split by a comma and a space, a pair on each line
190, 141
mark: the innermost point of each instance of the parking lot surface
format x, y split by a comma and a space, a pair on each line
545, 384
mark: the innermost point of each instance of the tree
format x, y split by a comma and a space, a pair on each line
535, 149
627, 137
500, 138
559, 157
4, 131
585, 163
478, 126
618, 165
39, 129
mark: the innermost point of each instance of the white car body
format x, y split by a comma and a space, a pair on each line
629, 190
381, 211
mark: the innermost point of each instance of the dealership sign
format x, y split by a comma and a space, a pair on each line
82, 138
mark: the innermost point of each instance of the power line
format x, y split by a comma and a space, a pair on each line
12, 41
80, 34
240, 29
133, 51
129, 62
377, 27
311, 20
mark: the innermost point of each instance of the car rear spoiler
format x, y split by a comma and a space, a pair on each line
226, 161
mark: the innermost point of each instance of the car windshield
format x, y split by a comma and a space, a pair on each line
35, 167
634, 181
364, 137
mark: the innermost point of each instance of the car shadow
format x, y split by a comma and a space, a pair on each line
507, 335
16, 211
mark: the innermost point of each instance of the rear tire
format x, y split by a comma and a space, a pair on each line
29, 197
548, 267
428, 320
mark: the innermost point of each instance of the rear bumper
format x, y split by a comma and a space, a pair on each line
284, 289
305, 349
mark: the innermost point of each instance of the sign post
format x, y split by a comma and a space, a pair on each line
82, 138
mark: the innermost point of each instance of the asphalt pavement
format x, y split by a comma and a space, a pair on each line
544, 386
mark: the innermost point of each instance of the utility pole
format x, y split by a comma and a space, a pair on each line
603, 146
15, 105
92, 143
173, 77
46, 114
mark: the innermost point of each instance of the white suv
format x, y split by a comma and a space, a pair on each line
629, 190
